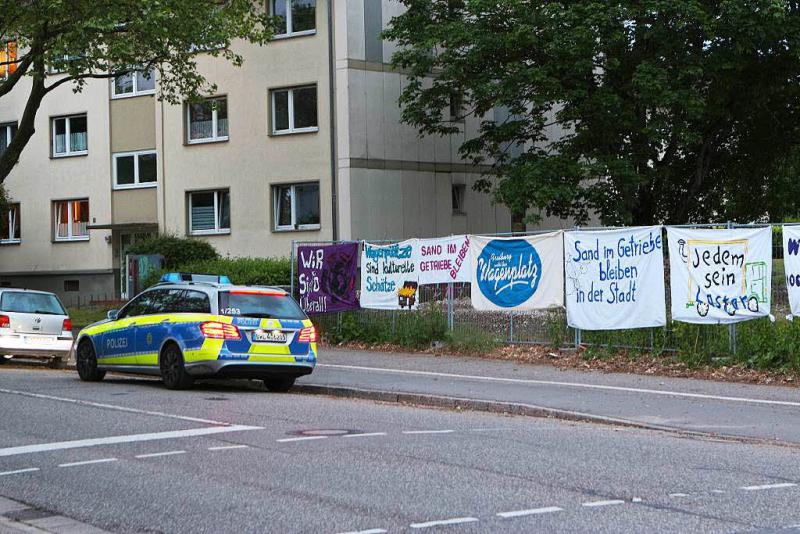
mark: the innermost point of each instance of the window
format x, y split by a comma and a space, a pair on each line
296, 206
294, 110
295, 17
7, 132
8, 59
456, 107
69, 136
207, 121
71, 220
72, 286
134, 83
135, 169
194, 302
10, 226
209, 212
458, 192
138, 306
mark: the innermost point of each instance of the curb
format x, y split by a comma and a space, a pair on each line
521, 409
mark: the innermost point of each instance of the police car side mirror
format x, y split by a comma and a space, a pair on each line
112, 315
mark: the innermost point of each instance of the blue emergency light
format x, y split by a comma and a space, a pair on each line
194, 277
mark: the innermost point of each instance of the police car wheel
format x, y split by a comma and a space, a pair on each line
279, 384
86, 362
173, 372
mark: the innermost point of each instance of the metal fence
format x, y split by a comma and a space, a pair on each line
451, 302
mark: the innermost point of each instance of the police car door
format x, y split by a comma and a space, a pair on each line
154, 327
118, 345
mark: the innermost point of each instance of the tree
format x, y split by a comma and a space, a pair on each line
86, 39
641, 111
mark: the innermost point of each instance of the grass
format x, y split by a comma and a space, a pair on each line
86, 315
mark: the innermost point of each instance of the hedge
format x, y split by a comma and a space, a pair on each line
176, 250
242, 271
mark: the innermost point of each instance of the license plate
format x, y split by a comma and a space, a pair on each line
269, 336
38, 340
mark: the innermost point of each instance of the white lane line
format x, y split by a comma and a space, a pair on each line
636, 499
769, 486
18, 471
112, 407
130, 438
428, 431
307, 438
443, 522
566, 384
88, 462
364, 435
157, 454
369, 531
718, 491
532, 511
228, 447
595, 504
678, 495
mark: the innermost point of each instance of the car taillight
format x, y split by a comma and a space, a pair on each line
217, 330
308, 335
67, 326
5, 322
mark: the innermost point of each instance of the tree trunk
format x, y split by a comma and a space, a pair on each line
518, 222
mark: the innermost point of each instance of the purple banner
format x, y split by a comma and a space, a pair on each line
327, 277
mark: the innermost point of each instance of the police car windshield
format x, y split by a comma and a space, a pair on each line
23, 302
261, 304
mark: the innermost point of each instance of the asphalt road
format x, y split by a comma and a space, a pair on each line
126, 455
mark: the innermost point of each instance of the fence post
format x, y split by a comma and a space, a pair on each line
732, 326
450, 311
291, 259
511, 328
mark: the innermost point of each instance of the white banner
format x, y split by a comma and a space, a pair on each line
615, 278
791, 263
517, 273
389, 276
720, 276
443, 260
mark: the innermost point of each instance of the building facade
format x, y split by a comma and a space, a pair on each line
303, 142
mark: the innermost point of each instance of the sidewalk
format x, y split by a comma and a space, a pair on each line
699, 406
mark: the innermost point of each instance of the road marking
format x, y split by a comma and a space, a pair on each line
443, 522
307, 438
428, 431
370, 531
131, 438
88, 462
228, 447
718, 491
636, 499
112, 407
18, 471
678, 495
157, 454
532, 511
595, 504
364, 435
769, 486
566, 384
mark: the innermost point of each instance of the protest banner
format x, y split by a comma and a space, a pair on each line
443, 260
389, 276
791, 263
720, 276
615, 278
327, 277
517, 273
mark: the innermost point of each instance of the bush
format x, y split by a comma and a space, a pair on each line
413, 329
242, 271
176, 250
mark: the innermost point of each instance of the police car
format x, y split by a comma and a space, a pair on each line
190, 326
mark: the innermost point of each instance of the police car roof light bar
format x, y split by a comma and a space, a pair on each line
174, 278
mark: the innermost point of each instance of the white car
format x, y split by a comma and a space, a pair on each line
34, 324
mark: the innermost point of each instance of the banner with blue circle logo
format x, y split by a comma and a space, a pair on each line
517, 273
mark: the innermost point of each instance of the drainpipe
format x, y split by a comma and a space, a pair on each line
332, 107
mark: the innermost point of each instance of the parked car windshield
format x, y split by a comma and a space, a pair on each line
259, 304
23, 302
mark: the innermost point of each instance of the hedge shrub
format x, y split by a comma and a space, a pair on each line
242, 271
176, 250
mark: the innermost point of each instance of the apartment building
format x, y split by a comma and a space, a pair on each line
304, 142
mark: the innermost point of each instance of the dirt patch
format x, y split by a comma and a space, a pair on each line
623, 362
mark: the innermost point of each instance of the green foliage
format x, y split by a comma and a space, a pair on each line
242, 271
176, 250
417, 329
471, 341
641, 111
85, 315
